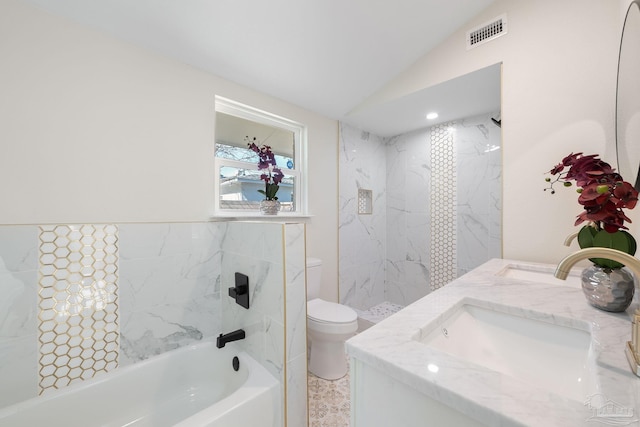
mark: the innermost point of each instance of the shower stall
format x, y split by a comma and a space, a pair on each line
434, 211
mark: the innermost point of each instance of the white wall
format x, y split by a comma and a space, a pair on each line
96, 130
558, 96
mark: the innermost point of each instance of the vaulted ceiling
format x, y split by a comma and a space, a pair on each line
327, 56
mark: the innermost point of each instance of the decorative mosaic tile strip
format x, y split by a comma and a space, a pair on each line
78, 303
443, 207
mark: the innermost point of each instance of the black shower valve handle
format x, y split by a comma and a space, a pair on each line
240, 292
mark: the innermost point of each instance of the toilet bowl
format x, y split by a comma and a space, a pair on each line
329, 325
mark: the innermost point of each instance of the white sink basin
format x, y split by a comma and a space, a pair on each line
507, 340
538, 274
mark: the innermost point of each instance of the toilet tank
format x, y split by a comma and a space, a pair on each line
314, 274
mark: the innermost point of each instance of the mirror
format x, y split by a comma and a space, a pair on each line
628, 98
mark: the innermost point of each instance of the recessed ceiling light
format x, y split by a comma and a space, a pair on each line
432, 116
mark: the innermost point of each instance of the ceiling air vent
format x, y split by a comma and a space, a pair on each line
487, 32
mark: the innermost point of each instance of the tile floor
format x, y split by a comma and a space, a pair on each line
379, 312
329, 402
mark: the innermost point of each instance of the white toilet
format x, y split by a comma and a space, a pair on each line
329, 325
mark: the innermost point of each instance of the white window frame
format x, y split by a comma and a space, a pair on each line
233, 108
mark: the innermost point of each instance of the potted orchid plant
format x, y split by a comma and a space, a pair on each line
603, 194
271, 175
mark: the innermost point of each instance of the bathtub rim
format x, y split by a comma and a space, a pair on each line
258, 376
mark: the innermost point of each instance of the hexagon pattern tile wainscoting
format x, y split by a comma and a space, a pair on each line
78, 300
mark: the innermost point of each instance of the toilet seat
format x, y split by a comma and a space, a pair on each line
331, 318
330, 312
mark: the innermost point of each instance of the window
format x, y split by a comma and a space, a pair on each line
237, 178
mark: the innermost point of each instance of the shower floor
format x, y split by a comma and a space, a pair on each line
377, 313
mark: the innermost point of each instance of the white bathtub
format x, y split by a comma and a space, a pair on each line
193, 386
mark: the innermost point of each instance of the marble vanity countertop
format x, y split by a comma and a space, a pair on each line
488, 396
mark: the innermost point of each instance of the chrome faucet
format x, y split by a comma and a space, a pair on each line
633, 264
564, 267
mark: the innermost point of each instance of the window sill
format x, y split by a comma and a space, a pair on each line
253, 216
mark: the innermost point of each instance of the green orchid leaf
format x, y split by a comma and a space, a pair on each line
615, 240
585, 236
632, 242
620, 240
271, 190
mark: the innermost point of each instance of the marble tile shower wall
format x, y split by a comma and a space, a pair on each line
362, 238
170, 279
296, 324
18, 313
168, 295
256, 252
169, 288
408, 217
275, 326
385, 256
479, 162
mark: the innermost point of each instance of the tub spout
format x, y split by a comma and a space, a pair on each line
631, 262
222, 340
